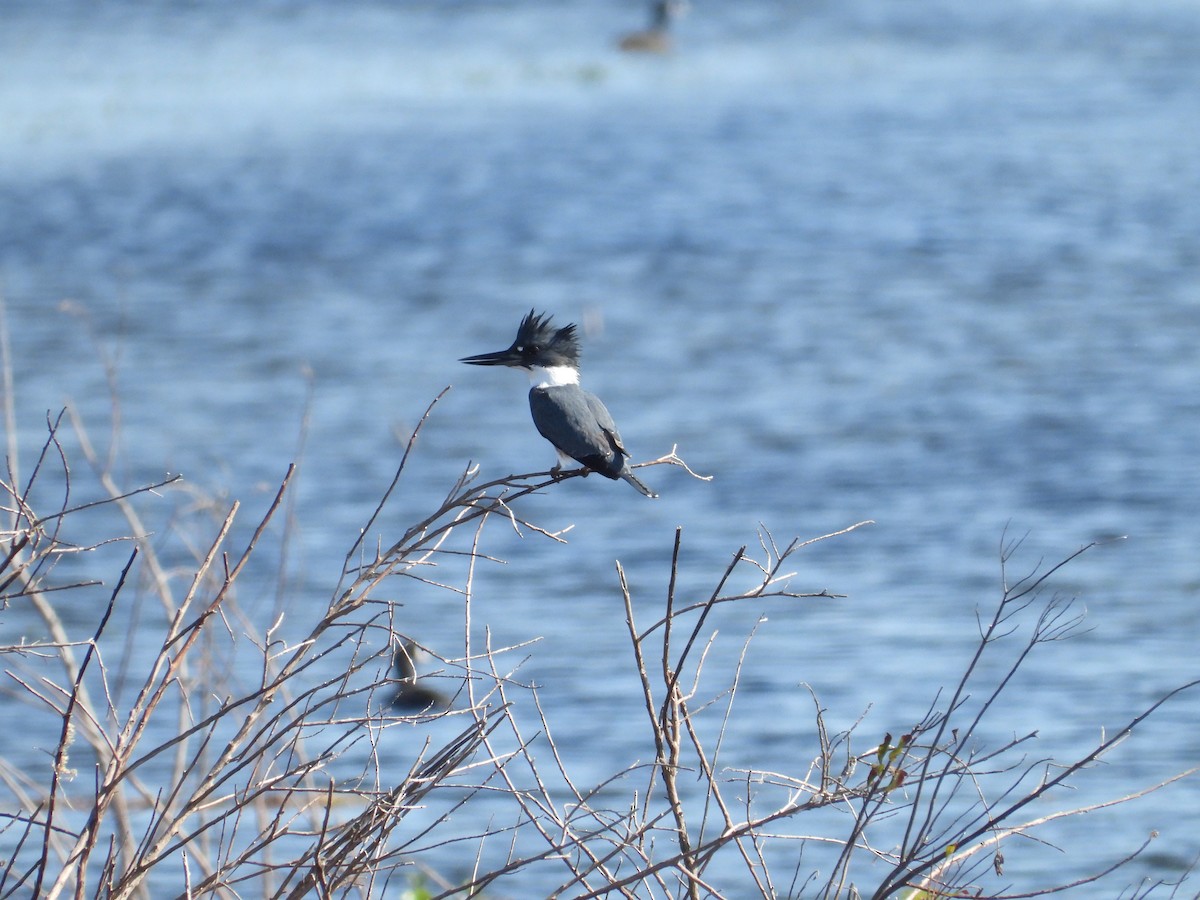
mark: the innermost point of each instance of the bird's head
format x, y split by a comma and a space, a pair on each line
538, 343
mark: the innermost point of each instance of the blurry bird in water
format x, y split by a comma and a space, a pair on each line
656, 38
409, 694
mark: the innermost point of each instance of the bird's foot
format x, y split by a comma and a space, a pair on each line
558, 473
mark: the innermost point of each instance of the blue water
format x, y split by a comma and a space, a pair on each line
933, 265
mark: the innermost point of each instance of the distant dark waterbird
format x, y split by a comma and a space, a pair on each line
410, 695
656, 38
573, 420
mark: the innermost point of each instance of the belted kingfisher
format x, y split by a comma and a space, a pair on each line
570, 418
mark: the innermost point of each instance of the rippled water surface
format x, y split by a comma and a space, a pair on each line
932, 265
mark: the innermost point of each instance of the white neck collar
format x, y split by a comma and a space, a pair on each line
553, 376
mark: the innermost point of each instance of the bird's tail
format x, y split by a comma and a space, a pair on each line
637, 483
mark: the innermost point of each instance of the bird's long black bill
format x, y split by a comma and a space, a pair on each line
500, 358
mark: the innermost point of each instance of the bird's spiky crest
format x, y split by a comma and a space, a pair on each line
536, 332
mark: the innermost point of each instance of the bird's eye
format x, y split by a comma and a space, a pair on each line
520, 349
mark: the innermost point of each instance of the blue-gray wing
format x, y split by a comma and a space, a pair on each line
606, 423
577, 423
